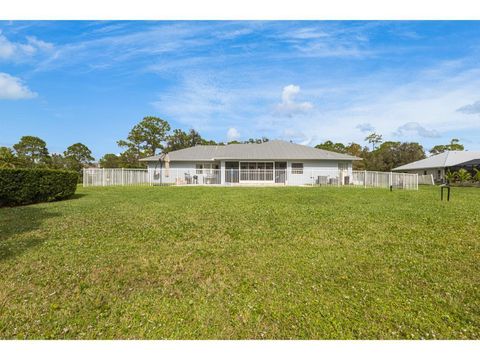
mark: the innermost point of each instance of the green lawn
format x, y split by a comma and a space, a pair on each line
236, 263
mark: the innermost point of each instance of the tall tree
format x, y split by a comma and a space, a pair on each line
110, 161
454, 145
147, 137
331, 146
195, 138
8, 158
179, 139
78, 156
212, 142
32, 151
57, 161
354, 149
392, 154
374, 139
130, 159
263, 139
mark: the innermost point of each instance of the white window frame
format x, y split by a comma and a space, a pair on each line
297, 168
205, 168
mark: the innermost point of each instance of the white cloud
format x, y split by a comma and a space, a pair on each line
12, 88
20, 51
196, 101
234, 33
289, 106
153, 42
332, 40
423, 109
307, 33
232, 134
470, 108
416, 129
296, 136
365, 127
39, 44
320, 49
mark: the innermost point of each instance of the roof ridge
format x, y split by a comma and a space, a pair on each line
274, 149
445, 161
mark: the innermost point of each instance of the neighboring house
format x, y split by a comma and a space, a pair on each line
438, 165
272, 162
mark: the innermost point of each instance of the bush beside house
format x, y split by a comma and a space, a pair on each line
28, 186
463, 177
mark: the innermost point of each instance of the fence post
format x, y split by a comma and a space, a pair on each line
365, 179
123, 183
103, 176
390, 182
403, 185
83, 179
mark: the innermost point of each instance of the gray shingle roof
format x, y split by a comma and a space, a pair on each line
271, 150
445, 159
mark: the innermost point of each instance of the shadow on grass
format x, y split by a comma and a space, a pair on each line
20, 229
74, 197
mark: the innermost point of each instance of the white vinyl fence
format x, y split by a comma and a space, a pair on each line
231, 177
109, 177
380, 179
426, 180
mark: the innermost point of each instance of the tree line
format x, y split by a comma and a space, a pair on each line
386, 155
32, 152
153, 135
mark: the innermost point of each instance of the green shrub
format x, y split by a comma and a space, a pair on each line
27, 186
476, 177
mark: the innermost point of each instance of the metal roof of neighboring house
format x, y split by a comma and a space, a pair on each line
270, 150
445, 159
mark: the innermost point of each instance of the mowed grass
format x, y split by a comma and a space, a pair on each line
242, 263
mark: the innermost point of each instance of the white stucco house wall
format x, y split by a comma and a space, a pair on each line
270, 163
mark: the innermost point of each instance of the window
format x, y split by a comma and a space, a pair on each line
256, 166
297, 168
343, 165
206, 168
231, 165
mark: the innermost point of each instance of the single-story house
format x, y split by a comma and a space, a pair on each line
438, 165
272, 162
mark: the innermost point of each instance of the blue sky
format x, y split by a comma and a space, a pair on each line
90, 82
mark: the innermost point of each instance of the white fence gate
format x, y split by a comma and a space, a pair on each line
366, 179
426, 180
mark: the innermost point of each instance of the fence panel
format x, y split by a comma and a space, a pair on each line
115, 177
380, 179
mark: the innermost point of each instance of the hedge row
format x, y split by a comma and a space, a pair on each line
28, 186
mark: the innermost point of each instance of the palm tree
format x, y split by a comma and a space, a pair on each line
476, 177
450, 176
463, 175
374, 139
